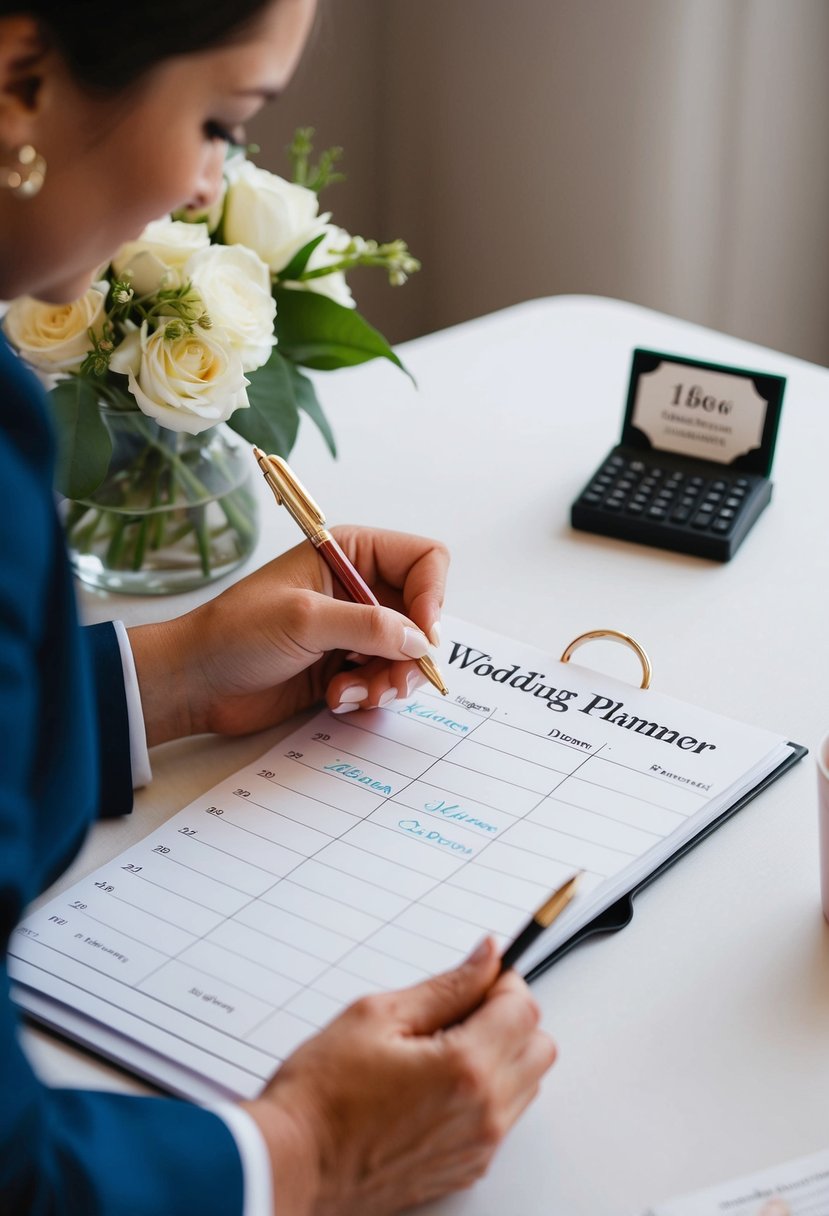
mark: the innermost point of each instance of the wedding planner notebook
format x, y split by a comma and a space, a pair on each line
369, 850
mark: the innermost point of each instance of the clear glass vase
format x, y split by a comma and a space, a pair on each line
174, 512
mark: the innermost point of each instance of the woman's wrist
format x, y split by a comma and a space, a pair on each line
160, 652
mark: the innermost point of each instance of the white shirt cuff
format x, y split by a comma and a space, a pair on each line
139, 756
256, 1164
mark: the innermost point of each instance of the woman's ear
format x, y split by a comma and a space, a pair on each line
24, 60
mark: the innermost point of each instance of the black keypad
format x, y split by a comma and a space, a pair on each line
668, 497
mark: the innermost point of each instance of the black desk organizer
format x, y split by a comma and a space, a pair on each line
673, 501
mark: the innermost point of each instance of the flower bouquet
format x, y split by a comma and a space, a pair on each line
186, 350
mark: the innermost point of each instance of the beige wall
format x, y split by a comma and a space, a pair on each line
669, 152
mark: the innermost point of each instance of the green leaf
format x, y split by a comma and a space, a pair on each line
306, 399
84, 443
300, 260
272, 421
315, 331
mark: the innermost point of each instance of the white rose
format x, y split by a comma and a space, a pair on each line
328, 253
157, 258
188, 383
235, 285
273, 217
127, 354
55, 337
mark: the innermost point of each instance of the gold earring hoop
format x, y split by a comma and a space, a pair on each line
26, 173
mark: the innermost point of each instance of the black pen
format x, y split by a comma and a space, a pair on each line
542, 920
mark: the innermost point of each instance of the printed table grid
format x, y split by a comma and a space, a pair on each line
472, 927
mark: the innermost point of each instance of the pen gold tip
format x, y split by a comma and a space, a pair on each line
432, 673
558, 901
261, 459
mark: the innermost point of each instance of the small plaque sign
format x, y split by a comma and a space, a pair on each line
691, 471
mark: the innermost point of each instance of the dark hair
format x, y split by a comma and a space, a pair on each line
111, 45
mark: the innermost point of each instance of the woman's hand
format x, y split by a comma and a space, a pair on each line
406, 1095
277, 641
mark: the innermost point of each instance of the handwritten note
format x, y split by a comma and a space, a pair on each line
371, 850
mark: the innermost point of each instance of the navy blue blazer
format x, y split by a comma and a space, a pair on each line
64, 760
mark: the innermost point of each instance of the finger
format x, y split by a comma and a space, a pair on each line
515, 1110
510, 983
375, 685
412, 563
526, 1070
503, 1025
446, 998
540, 1058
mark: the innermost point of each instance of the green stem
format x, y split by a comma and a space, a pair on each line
116, 399
333, 267
157, 537
188, 478
179, 532
74, 515
141, 543
234, 515
199, 517
82, 539
116, 544
146, 523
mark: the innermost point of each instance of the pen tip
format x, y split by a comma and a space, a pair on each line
558, 901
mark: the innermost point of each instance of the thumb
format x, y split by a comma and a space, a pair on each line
449, 997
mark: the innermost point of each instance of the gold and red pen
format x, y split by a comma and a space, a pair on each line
291, 494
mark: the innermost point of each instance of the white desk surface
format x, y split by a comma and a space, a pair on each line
694, 1045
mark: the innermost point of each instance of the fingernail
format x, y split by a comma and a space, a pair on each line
415, 679
415, 644
345, 709
387, 697
434, 634
481, 951
354, 692
354, 657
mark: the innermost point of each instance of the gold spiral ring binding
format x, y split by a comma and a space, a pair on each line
613, 635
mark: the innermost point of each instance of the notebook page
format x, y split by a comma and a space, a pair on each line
367, 851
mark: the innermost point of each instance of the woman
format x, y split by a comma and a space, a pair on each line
405, 1096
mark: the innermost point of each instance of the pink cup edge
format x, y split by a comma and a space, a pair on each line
822, 757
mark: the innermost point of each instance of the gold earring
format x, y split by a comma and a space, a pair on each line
26, 174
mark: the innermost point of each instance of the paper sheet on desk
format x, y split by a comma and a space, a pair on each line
367, 851
796, 1188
